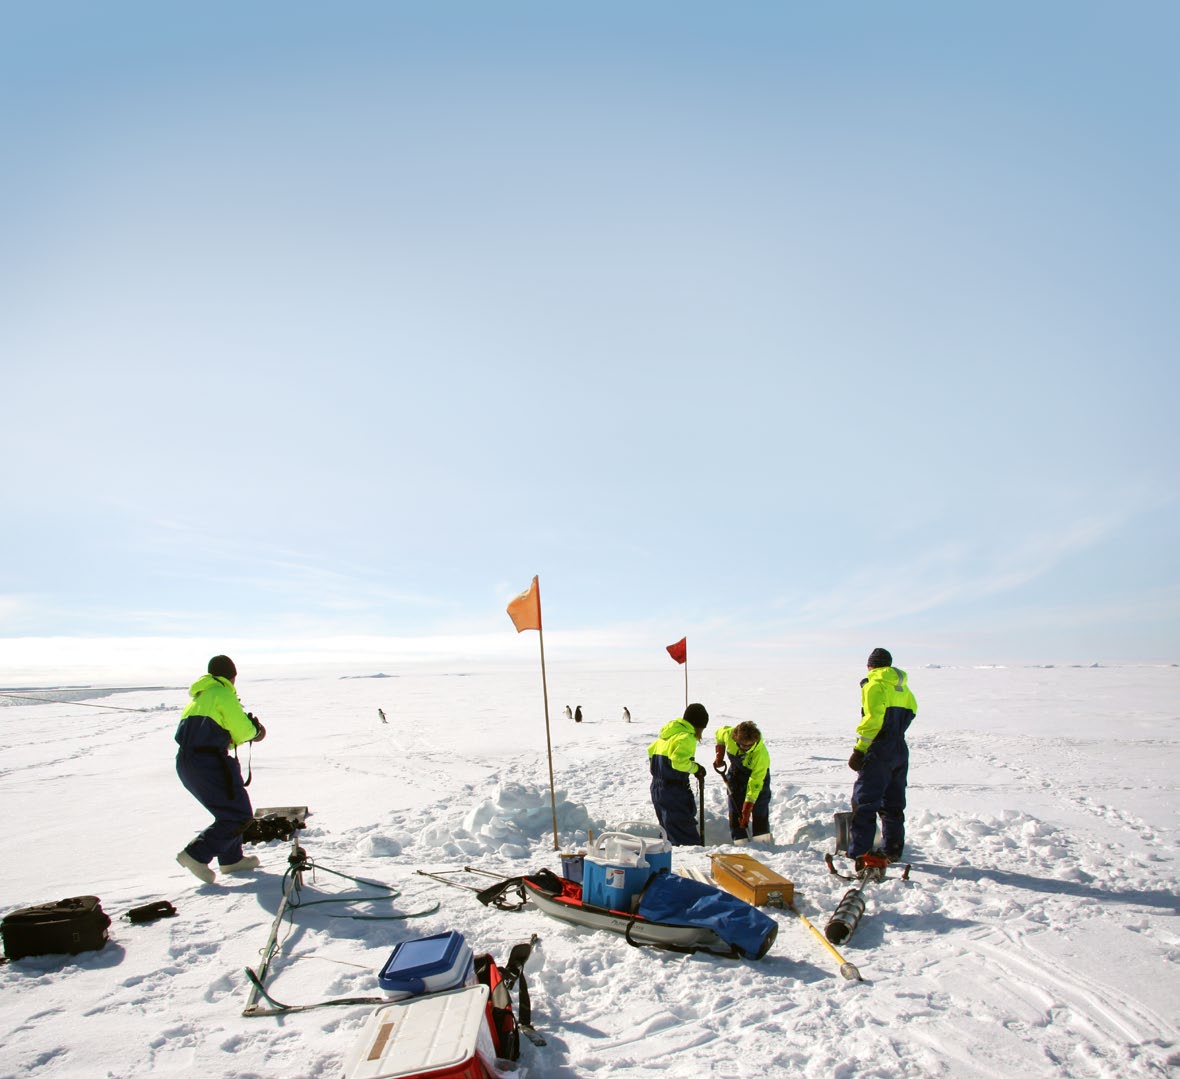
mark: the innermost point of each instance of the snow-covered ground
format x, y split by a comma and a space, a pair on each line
1038, 934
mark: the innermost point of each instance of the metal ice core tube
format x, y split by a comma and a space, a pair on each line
843, 923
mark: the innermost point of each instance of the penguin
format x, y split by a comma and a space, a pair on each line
626, 714
568, 713
578, 714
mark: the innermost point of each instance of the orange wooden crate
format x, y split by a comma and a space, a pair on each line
749, 879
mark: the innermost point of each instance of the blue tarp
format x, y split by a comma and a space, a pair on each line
677, 900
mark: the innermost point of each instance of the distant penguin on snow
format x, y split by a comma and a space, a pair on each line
626, 714
568, 713
578, 714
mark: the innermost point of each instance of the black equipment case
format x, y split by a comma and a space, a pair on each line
68, 926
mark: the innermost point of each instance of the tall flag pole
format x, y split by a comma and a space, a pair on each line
679, 652
525, 612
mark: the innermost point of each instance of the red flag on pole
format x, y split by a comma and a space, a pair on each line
679, 650
525, 610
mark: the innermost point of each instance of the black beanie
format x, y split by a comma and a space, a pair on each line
697, 716
223, 667
880, 657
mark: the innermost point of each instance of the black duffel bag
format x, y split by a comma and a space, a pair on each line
68, 926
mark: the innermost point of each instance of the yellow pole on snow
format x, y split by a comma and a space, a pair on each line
848, 970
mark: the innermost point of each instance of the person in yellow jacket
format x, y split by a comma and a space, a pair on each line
881, 760
747, 777
212, 724
672, 760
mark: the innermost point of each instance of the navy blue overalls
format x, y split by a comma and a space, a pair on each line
879, 790
675, 807
737, 779
214, 778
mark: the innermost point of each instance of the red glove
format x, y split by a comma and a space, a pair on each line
719, 756
744, 819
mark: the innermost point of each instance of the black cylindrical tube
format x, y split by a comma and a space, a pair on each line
843, 923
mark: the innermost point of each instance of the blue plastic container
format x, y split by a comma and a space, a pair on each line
428, 965
571, 866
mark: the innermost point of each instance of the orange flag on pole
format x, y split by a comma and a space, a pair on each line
525, 610
679, 650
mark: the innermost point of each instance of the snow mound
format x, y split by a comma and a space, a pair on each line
509, 822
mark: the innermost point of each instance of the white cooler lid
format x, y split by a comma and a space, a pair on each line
422, 1034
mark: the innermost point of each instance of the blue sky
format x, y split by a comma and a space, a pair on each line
793, 328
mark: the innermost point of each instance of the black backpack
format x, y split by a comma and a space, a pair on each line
68, 927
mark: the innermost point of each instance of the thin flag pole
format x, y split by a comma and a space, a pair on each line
679, 653
548, 741
525, 612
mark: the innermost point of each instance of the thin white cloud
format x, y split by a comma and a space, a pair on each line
283, 571
955, 574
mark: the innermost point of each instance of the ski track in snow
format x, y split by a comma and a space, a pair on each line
1036, 936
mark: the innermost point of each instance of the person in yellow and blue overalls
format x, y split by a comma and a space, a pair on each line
881, 759
212, 724
747, 777
672, 759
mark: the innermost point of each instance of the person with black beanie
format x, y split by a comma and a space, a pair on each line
214, 723
881, 760
672, 760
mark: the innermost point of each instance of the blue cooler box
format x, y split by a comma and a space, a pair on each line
619, 864
428, 965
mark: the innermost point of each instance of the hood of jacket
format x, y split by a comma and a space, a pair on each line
677, 726
890, 676
209, 681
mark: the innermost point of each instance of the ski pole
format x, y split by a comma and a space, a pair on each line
848, 970
447, 880
484, 872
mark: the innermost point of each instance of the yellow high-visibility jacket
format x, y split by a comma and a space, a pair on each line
216, 698
756, 759
886, 705
677, 742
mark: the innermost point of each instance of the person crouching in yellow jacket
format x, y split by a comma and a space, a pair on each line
747, 776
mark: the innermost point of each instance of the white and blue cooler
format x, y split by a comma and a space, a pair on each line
428, 965
619, 863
